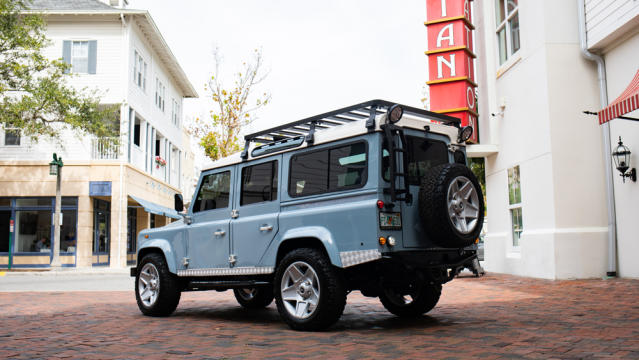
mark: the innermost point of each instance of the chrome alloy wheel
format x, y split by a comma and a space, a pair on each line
247, 293
463, 204
300, 290
149, 284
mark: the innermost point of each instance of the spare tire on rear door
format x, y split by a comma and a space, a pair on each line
451, 205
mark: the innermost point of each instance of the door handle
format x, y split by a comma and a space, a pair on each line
266, 227
219, 233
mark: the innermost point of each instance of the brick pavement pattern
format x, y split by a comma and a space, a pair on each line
496, 316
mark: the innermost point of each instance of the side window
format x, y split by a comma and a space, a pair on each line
328, 170
259, 183
214, 192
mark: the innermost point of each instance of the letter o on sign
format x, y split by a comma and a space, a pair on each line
470, 97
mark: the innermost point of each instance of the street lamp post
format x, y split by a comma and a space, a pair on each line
55, 168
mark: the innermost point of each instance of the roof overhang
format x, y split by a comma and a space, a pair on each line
150, 31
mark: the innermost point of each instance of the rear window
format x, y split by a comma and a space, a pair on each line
328, 170
423, 154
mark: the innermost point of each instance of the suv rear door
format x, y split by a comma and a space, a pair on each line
258, 206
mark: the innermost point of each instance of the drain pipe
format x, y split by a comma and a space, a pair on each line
603, 98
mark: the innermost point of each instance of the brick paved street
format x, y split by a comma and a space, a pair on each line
493, 317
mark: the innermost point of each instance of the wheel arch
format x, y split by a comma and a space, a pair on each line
161, 247
312, 237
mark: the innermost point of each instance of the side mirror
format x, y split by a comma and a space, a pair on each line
179, 203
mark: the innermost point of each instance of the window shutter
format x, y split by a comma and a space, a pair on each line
93, 52
66, 53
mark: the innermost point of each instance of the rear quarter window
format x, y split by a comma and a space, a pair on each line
328, 170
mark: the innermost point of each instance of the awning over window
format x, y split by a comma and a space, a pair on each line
627, 102
155, 208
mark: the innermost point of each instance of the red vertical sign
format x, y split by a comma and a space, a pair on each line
451, 65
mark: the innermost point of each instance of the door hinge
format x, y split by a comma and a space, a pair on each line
185, 261
235, 213
232, 259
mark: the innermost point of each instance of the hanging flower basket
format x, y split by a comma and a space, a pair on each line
159, 162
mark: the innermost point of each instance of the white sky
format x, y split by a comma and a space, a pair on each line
322, 55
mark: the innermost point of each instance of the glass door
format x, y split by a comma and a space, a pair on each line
101, 232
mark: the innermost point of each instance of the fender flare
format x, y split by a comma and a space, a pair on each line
166, 249
316, 232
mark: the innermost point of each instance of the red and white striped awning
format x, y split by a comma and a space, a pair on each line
628, 101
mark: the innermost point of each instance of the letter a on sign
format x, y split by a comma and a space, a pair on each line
449, 37
450, 64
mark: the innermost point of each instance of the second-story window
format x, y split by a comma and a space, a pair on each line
507, 19
81, 55
175, 114
139, 70
12, 136
160, 92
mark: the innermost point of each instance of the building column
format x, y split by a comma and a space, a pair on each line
119, 205
84, 236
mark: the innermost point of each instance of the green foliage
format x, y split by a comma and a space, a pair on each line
34, 94
478, 167
235, 108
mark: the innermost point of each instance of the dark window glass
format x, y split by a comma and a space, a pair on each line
347, 167
214, 192
5, 202
33, 231
24, 202
328, 170
5, 218
131, 230
423, 154
12, 137
69, 201
460, 158
136, 134
259, 183
152, 221
157, 147
68, 240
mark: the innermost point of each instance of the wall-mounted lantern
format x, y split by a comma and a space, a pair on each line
621, 156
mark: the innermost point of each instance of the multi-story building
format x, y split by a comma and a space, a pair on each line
551, 201
110, 190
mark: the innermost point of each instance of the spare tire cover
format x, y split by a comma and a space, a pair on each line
451, 205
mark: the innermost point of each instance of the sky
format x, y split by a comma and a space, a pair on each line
320, 55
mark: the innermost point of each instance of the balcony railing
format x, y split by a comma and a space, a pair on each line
104, 149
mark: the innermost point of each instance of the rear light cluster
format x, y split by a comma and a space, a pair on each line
385, 240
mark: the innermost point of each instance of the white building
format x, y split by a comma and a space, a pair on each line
545, 159
110, 192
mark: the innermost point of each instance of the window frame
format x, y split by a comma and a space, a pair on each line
328, 149
505, 26
13, 130
72, 57
139, 69
160, 94
514, 206
175, 113
199, 187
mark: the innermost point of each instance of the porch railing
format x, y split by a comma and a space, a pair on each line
104, 149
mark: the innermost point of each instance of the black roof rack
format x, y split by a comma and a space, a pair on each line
367, 110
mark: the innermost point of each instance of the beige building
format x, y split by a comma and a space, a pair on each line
109, 192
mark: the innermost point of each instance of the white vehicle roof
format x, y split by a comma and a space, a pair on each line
410, 120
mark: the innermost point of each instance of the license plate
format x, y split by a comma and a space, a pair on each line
390, 220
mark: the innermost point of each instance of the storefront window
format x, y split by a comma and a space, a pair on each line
33, 231
5, 217
131, 230
5, 202
68, 239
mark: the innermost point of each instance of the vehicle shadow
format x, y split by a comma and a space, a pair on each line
350, 320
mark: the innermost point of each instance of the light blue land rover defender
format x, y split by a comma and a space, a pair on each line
374, 197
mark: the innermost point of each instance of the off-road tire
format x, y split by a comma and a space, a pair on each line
433, 206
332, 298
425, 300
262, 298
169, 288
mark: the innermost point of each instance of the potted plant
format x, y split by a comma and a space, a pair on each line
159, 162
